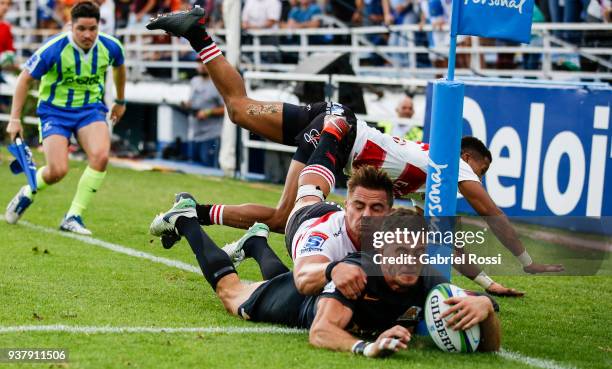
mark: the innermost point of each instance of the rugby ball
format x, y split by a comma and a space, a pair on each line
445, 337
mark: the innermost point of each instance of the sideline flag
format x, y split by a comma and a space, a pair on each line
503, 19
23, 162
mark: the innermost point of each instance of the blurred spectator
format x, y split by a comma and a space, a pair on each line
532, 61
403, 12
347, 11
122, 13
7, 51
142, 11
258, 14
377, 12
212, 8
439, 12
205, 119
566, 11
263, 14
107, 16
302, 15
286, 6
46, 14
405, 108
177, 5
599, 11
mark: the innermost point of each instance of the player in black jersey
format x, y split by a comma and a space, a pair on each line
332, 319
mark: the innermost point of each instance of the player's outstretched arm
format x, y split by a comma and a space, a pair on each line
328, 331
476, 274
482, 203
14, 128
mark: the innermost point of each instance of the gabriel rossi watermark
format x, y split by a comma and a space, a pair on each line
411, 238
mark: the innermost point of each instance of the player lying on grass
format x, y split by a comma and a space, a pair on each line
332, 318
293, 125
319, 234
72, 69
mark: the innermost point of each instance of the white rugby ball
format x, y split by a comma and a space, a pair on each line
445, 337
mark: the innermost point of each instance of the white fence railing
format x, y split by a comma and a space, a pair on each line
334, 81
143, 53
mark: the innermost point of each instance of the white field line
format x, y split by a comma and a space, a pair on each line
531, 361
117, 248
108, 329
508, 355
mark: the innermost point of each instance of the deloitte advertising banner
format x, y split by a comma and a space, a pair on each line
551, 148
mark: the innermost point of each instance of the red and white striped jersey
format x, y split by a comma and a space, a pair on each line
325, 236
405, 161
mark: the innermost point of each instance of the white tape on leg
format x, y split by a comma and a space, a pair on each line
309, 190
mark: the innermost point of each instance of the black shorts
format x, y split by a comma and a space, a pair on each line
302, 126
275, 301
296, 118
306, 213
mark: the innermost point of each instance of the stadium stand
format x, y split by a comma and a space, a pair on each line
390, 46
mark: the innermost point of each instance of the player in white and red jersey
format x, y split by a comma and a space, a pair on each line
328, 230
405, 161
301, 125
320, 234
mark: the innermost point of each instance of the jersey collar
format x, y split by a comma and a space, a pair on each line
356, 243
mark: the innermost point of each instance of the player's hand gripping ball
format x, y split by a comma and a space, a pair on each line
446, 338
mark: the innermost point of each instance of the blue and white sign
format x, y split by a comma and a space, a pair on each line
503, 19
551, 147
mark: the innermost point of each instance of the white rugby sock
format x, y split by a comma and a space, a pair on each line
216, 214
321, 171
209, 53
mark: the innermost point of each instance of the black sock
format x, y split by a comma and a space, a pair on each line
269, 264
326, 152
199, 38
203, 211
214, 262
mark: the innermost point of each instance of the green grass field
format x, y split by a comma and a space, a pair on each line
49, 279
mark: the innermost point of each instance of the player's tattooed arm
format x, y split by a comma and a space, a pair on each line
264, 109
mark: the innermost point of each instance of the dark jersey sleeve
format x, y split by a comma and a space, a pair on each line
330, 291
